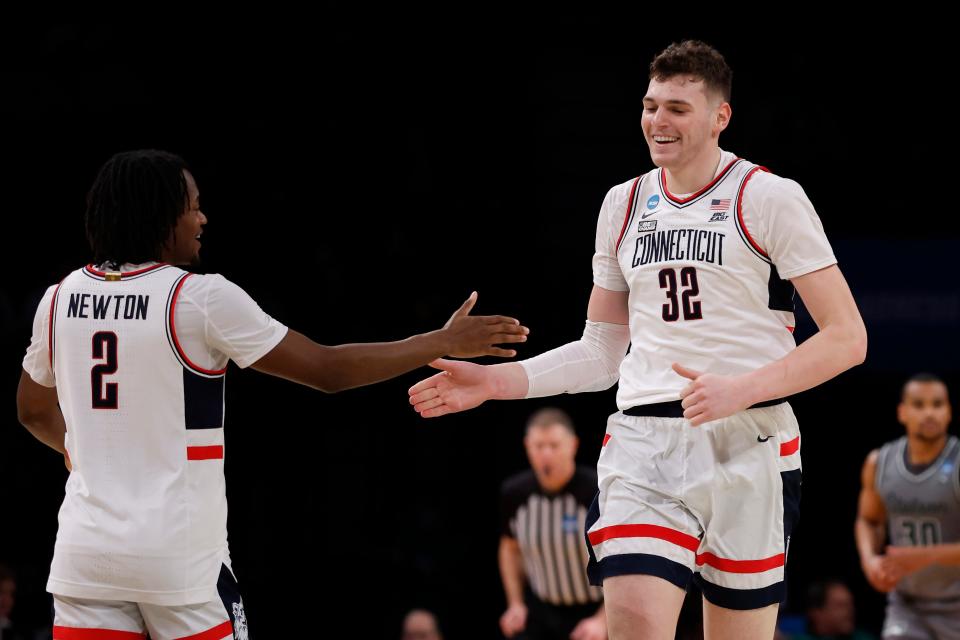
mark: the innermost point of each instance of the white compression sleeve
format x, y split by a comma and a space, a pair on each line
592, 363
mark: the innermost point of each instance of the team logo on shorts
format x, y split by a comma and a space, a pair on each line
647, 225
653, 201
239, 622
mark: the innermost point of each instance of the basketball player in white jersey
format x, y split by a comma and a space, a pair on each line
911, 489
134, 350
696, 264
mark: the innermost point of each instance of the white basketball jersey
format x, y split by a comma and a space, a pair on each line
145, 512
703, 292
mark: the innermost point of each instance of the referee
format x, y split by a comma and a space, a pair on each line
543, 556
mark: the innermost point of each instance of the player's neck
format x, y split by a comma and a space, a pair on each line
925, 451
694, 175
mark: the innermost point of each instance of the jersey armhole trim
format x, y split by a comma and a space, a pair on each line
172, 333
628, 214
51, 321
879, 469
741, 227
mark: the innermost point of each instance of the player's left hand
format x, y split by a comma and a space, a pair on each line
473, 336
592, 628
907, 560
710, 396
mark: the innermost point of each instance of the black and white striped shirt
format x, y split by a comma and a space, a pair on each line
549, 529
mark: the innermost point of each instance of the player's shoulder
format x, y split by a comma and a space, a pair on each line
621, 192
878, 455
207, 283
520, 485
765, 184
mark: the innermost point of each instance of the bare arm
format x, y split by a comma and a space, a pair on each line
916, 558
514, 619
464, 385
840, 343
511, 570
39, 411
870, 529
335, 368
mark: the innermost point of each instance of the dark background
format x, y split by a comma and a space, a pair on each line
363, 172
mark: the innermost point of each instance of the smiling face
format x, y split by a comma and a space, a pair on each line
682, 121
183, 247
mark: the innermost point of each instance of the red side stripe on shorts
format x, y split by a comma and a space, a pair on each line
205, 453
217, 633
606, 438
788, 448
645, 531
741, 566
72, 633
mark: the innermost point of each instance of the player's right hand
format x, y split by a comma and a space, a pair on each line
880, 574
513, 620
472, 336
459, 386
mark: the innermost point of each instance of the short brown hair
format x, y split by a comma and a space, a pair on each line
550, 416
694, 58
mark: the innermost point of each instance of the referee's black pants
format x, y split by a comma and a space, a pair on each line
547, 621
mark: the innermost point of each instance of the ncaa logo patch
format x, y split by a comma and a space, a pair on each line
653, 201
570, 523
946, 472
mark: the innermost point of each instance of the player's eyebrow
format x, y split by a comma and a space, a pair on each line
682, 102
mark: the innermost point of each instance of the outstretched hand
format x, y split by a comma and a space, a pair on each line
459, 386
472, 336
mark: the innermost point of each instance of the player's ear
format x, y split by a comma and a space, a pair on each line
724, 112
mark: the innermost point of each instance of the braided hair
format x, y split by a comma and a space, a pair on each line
134, 204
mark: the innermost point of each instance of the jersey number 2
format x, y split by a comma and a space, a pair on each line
104, 395
688, 279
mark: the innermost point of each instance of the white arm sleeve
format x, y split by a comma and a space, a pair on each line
592, 363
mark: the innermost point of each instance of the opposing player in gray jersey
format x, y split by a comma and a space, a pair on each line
911, 488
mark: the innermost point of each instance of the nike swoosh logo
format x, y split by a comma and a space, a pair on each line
759, 439
647, 215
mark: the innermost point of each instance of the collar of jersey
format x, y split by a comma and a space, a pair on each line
126, 269
693, 196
